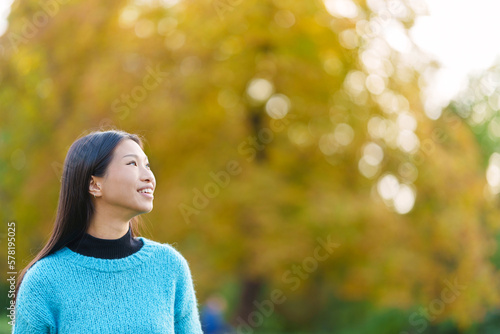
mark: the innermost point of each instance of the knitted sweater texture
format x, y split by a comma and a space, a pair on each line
150, 291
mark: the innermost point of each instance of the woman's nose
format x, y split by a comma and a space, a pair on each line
148, 175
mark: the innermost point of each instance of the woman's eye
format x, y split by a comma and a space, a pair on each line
133, 162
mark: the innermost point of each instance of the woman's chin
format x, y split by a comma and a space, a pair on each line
147, 209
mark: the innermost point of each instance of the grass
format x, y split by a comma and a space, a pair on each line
5, 328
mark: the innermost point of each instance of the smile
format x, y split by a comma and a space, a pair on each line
146, 193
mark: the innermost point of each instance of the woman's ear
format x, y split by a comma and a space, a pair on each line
94, 187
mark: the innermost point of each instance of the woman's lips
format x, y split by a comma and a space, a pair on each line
147, 195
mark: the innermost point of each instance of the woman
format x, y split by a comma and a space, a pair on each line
94, 275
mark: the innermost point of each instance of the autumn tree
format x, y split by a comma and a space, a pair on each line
274, 128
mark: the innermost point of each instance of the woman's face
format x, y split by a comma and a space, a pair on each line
127, 173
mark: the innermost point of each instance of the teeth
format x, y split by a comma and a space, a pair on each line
148, 191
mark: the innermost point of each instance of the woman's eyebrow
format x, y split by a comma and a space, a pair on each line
135, 155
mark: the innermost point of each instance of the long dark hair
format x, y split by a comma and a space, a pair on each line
87, 156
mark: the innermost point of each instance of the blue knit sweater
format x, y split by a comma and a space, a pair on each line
150, 291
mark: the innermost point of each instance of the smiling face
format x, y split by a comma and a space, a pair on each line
118, 193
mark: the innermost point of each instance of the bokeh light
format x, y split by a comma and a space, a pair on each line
344, 134
260, 89
373, 154
404, 199
388, 186
277, 106
400, 196
493, 173
341, 8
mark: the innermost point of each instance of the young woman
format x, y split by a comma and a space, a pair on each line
94, 275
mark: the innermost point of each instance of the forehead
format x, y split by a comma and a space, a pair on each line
128, 146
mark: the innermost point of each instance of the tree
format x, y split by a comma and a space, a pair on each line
275, 128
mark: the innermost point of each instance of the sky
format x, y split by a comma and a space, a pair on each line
4, 13
462, 35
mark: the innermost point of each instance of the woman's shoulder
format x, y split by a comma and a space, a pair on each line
167, 252
40, 273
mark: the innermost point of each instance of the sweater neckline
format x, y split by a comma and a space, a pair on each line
106, 248
109, 265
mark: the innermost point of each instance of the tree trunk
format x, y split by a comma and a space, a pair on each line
249, 293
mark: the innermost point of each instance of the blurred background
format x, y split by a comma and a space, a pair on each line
308, 166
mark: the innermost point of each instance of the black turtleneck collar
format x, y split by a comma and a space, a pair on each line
106, 248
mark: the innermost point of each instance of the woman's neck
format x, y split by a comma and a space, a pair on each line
108, 230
